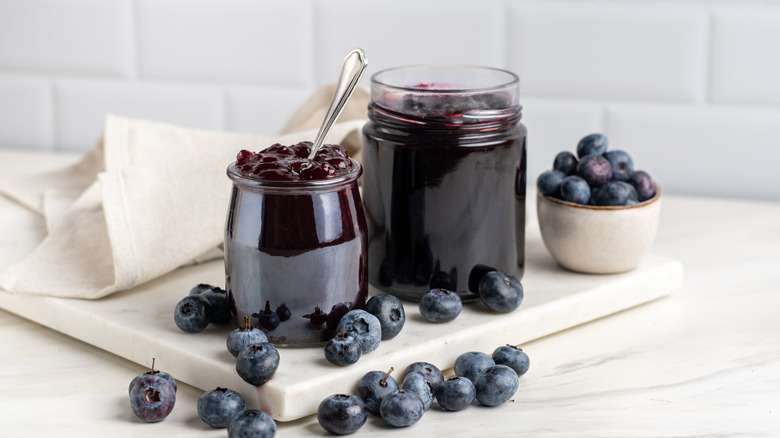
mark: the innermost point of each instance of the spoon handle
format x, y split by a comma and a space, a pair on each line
351, 71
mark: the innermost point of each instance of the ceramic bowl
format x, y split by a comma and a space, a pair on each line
598, 240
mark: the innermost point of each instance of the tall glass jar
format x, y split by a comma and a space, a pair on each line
295, 255
445, 173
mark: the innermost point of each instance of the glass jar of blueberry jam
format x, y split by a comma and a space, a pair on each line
445, 173
295, 242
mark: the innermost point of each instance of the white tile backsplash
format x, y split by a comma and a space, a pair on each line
690, 87
92, 37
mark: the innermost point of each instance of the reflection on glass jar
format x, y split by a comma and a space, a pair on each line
444, 186
295, 255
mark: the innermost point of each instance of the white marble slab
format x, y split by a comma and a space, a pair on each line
138, 325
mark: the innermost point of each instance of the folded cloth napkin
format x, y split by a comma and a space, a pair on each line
149, 198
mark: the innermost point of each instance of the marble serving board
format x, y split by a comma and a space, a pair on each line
138, 325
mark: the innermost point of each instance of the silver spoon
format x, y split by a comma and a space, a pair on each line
351, 71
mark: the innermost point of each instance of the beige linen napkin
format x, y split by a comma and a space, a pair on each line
149, 198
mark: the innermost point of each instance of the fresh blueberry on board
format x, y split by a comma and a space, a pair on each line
152, 398
502, 293
342, 414
252, 424
595, 169
455, 393
592, 144
615, 193
364, 327
193, 313
429, 371
342, 350
575, 189
622, 164
513, 357
549, 182
375, 386
416, 382
440, 305
401, 408
244, 336
257, 363
565, 162
471, 363
389, 310
496, 385
218, 406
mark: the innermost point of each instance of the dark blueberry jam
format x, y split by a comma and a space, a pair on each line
295, 242
444, 186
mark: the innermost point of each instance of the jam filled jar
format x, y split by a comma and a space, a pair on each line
445, 173
295, 242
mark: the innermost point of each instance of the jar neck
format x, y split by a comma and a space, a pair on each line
458, 122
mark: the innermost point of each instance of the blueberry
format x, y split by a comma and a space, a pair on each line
622, 164
513, 357
416, 382
644, 185
476, 274
496, 385
342, 414
336, 313
440, 305
362, 326
595, 169
430, 372
471, 363
218, 406
243, 337
389, 310
157, 373
342, 350
257, 363
152, 398
283, 312
373, 387
501, 292
193, 313
565, 162
252, 424
267, 318
593, 144
549, 182
401, 408
455, 394
575, 189
615, 193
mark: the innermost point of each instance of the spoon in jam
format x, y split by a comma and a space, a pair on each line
351, 71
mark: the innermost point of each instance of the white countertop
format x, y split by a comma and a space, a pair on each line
702, 362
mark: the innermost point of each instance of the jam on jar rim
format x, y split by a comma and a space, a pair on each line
307, 186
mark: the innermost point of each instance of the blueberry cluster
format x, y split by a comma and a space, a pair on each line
205, 304
596, 176
490, 380
225, 408
152, 395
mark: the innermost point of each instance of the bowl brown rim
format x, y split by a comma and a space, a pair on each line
606, 207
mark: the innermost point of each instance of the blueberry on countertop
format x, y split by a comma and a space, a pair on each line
471, 363
252, 424
244, 336
193, 313
152, 398
375, 386
416, 382
513, 357
455, 393
342, 414
218, 406
389, 310
429, 371
401, 408
440, 305
257, 363
496, 385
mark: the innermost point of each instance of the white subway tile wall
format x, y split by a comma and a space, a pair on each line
691, 88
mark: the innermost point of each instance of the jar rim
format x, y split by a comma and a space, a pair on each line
319, 185
512, 78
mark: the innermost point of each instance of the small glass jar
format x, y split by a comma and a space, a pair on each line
445, 173
295, 255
